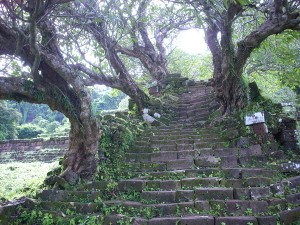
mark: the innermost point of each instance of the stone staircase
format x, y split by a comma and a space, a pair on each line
184, 173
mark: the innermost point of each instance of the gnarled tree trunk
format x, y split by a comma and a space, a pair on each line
229, 60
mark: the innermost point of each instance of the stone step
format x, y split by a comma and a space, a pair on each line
237, 173
59, 217
178, 220
69, 196
234, 220
157, 143
163, 156
66, 207
199, 194
168, 185
216, 152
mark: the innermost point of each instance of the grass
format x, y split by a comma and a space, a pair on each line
18, 179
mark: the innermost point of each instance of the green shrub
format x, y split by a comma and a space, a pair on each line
28, 131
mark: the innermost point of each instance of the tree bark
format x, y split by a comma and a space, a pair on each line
58, 87
128, 85
229, 62
79, 160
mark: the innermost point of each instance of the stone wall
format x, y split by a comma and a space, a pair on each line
33, 149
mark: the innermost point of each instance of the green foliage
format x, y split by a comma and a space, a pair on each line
34, 112
106, 100
27, 131
275, 66
9, 118
198, 67
22, 179
119, 133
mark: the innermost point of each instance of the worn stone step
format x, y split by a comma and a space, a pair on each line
192, 183
204, 99
201, 172
240, 207
218, 152
176, 220
290, 216
150, 197
180, 164
163, 156
247, 161
157, 143
238, 173
213, 193
69, 196
166, 175
76, 207
234, 220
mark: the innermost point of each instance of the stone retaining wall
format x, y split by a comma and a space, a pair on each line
33, 144
33, 149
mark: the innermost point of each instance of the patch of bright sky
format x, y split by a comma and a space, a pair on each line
192, 41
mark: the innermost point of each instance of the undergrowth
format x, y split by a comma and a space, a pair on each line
18, 179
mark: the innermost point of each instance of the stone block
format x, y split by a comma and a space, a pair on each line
293, 182
258, 207
149, 167
293, 198
233, 183
164, 209
209, 161
197, 220
138, 157
166, 148
187, 154
252, 160
234, 173
289, 216
202, 206
169, 185
185, 208
163, 156
229, 162
180, 164
213, 193
114, 219
237, 207
241, 193
185, 195
203, 171
153, 184
158, 196
218, 206
140, 221
276, 205
254, 172
131, 185
258, 193
242, 207
164, 221
191, 183
257, 181
254, 150
240, 220
184, 147
266, 220
219, 152
278, 188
